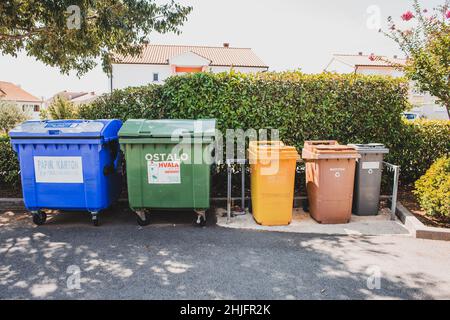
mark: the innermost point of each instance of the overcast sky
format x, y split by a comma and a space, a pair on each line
285, 34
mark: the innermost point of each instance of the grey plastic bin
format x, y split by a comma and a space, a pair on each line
366, 194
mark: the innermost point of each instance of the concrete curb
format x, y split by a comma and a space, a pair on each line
11, 203
418, 229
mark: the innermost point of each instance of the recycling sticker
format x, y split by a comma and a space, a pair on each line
164, 172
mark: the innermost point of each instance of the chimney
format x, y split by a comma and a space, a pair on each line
226, 45
360, 53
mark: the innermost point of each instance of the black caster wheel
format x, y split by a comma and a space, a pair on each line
142, 222
95, 221
200, 221
39, 218
207, 217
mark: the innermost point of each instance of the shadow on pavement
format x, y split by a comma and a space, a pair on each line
172, 259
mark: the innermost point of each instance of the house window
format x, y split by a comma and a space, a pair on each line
156, 77
30, 108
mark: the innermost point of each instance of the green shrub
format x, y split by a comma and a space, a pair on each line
9, 165
60, 108
417, 145
133, 102
10, 116
433, 188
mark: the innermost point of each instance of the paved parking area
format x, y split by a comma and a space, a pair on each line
171, 259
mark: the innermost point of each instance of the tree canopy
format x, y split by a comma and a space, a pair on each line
74, 34
426, 43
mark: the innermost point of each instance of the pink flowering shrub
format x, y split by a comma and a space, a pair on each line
408, 15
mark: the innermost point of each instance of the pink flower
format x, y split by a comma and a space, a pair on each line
408, 15
448, 14
407, 33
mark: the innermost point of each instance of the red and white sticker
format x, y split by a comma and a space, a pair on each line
164, 172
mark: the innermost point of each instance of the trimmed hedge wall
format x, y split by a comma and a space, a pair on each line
418, 145
9, 165
348, 108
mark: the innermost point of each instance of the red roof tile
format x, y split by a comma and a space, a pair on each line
12, 92
219, 56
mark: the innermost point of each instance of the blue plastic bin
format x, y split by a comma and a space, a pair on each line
68, 165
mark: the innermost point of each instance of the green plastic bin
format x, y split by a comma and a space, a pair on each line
168, 165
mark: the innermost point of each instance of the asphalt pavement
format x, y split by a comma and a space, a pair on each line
68, 258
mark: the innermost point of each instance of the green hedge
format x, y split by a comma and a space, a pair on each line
433, 188
9, 165
348, 108
418, 145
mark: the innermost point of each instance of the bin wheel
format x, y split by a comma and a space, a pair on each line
200, 221
95, 220
39, 218
141, 221
207, 217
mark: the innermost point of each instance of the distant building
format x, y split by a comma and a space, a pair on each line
424, 104
16, 95
158, 62
76, 98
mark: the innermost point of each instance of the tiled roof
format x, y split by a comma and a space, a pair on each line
219, 56
12, 92
364, 60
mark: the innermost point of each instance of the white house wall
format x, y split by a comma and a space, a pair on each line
29, 106
133, 75
423, 103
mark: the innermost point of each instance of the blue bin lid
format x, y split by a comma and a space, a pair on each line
62, 129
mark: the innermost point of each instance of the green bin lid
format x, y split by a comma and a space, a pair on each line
168, 128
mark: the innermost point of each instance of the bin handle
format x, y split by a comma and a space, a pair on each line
182, 131
322, 142
268, 142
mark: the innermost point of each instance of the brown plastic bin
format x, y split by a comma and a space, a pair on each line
330, 174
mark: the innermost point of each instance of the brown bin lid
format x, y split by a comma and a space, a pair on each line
313, 143
333, 149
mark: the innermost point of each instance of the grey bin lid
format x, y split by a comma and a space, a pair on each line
370, 148
168, 128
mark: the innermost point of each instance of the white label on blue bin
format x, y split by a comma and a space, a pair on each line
58, 169
163, 172
371, 165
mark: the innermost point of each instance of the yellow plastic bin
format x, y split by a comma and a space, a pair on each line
272, 166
